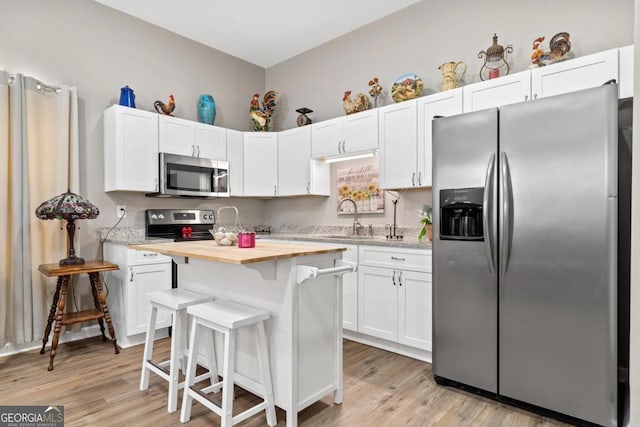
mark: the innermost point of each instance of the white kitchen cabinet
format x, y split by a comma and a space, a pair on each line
345, 135
575, 74
503, 90
260, 164
140, 272
448, 103
176, 136
298, 174
235, 156
406, 140
398, 135
189, 138
626, 72
350, 291
394, 295
130, 149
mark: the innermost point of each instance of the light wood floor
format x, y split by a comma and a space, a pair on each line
99, 388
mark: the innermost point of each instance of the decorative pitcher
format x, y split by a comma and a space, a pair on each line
127, 97
206, 109
450, 79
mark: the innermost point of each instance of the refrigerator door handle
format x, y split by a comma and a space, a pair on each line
487, 214
506, 210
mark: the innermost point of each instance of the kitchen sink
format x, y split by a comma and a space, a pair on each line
340, 237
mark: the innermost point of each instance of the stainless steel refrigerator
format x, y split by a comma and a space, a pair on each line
526, 288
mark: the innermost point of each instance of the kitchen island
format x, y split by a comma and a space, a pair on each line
300, 285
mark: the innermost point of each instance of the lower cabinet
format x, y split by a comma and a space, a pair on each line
140, 272
394, 295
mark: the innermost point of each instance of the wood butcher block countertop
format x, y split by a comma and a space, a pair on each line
209, 250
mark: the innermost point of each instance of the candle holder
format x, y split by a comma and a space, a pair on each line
494, 59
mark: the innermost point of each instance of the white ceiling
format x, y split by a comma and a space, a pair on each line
261, 32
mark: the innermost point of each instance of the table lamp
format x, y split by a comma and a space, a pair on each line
69, 206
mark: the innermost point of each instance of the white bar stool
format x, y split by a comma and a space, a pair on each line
227, 317
176, 301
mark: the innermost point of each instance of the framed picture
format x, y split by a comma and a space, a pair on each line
361, 184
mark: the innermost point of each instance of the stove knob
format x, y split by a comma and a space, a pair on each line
154, 216
160, 216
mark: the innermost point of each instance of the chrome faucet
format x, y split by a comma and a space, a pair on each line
356, 224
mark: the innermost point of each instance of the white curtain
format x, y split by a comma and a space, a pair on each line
38, 160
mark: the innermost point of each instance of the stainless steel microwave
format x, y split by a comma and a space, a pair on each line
188, 176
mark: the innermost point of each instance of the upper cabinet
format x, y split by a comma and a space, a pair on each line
260, 164
575, 74
626, 72
298, 174
345, 135
189, 138
507, 89
235, 156
130, 150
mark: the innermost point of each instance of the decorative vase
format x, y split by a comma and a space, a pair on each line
206, 109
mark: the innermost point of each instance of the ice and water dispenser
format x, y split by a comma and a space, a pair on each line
461, 214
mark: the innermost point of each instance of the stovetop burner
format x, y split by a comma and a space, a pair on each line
179, 224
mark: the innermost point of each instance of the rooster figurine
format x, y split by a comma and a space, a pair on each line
361, 103
261, 118
167, 108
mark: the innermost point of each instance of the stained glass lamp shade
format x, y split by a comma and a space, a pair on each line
69, 206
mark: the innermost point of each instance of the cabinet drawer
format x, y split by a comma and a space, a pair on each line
409, 259
137, 257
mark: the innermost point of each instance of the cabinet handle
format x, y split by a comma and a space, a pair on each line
393, 277
193, 150
526, 97
275, 190
344, 150
151, 254
339, 152
131, 276
400, 278
413, 179
535, 96
308, 188
198, 151
397, 258
420, 178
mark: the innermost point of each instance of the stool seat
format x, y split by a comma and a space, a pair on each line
228, 314
226, 317
177, 301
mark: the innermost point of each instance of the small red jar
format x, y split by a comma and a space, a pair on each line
247, 240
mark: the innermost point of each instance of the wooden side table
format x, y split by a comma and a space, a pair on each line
101, 311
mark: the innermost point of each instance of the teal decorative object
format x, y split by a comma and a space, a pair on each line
206, 109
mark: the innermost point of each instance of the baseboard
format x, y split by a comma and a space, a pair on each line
66, 336
394, 347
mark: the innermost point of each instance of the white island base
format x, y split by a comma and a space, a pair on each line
305, 328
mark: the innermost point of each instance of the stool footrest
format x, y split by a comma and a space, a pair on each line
157, 369
81, 316
215, 388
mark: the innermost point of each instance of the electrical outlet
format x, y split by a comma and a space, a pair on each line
121, 211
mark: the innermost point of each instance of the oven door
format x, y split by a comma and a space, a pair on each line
187, 176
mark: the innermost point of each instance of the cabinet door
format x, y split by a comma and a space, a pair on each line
235, 156
576, 74
130, 150
211, 141
377, 302
176, 136
503, 90
446, 103
414, 309
142, 280
398, 145
260, 164
350, 291
326, 138
294, 160
360, 132
626, 72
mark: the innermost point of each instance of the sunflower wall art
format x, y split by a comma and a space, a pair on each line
360, 183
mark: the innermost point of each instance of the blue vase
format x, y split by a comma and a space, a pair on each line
206, 109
